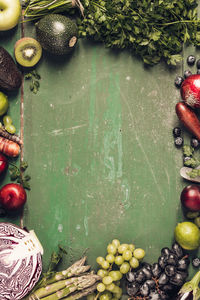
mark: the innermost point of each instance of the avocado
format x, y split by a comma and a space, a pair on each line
57, 34
10, 76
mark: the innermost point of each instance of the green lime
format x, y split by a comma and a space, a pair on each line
3, 104
187, 235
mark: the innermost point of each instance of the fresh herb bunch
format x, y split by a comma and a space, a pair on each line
17, 174
154, 30
34, 77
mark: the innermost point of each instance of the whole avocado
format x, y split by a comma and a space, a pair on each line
57, 34
10, 76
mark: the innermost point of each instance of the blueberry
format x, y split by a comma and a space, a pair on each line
191, 60
178, 81
196, 262
194, 143
178, 141
176, 131
198, 64
162, 261
187, 73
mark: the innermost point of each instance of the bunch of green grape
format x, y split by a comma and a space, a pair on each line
120, 259
7, 123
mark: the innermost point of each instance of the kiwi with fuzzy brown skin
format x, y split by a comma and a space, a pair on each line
28, 52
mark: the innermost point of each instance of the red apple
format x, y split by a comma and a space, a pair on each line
3, 163
12, 196
190, 197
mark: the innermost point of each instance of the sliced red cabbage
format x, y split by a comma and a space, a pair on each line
20, 261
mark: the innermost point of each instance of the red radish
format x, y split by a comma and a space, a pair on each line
190, 197
189, 119
12, 196
3, 163
190, 90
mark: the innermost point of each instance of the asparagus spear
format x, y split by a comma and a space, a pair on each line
76, 269
63, 288
83, 293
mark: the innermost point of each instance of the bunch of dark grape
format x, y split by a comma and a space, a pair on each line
160, 280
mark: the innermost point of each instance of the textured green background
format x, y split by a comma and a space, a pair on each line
98, 141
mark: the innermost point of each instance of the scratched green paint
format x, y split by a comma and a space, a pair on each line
98, 140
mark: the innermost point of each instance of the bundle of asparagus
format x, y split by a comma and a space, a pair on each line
73, 283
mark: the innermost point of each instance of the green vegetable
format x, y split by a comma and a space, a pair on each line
72, 283
35, 9
192, 162
34, 84
188, 150
194, 173
58, 40
153, 30
17, 173
191, 288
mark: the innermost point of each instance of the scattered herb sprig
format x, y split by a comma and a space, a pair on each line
17, 174
34, 77
153, 30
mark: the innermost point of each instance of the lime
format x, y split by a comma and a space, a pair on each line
3, 104
187, 235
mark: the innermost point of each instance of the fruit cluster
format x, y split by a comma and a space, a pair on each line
159, 280
119, 260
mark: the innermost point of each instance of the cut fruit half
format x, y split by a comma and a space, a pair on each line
28, 52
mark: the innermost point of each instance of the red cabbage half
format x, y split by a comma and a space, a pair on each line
20, 261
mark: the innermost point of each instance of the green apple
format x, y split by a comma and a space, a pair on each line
3, 104
10, 11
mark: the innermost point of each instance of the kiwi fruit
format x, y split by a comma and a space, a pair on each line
28, 52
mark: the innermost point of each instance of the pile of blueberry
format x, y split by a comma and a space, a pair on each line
191, 59
179, 141
161, 280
